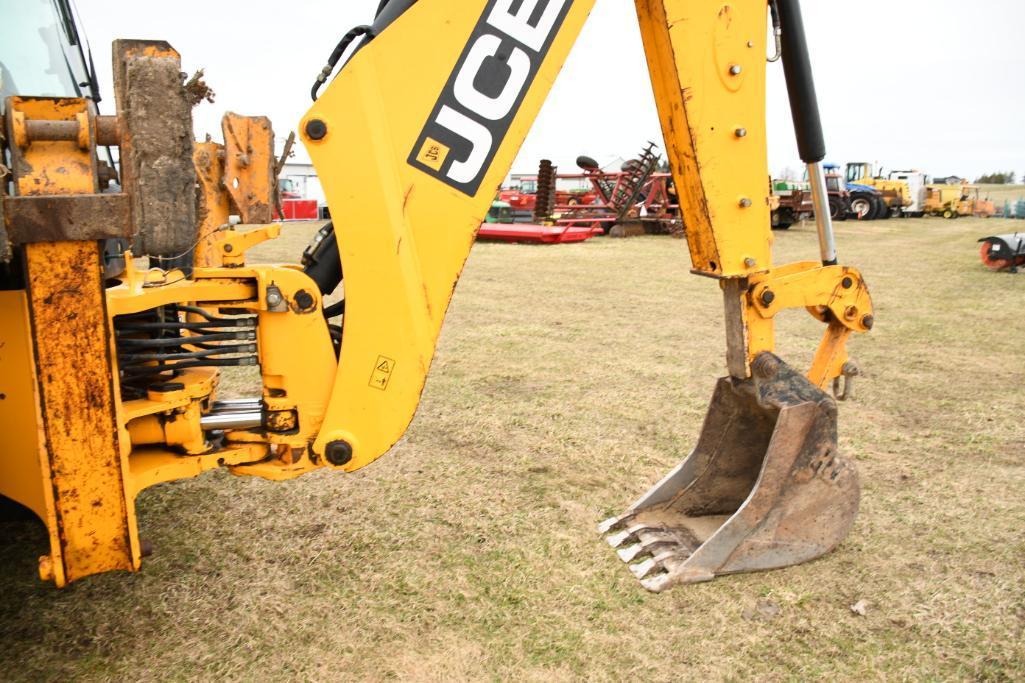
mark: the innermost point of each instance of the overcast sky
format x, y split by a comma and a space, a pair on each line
937, 85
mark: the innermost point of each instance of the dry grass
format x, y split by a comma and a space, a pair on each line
568, 380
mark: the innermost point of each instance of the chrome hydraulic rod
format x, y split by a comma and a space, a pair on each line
823, 218
232, 420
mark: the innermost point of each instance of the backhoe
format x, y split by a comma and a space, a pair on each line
109, 367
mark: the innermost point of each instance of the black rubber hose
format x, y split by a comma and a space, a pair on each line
322, 262
171, 342
804, 106
335, 310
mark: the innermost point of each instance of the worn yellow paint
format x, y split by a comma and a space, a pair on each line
95, 521
720, 175
249, 165
50, 167
81, 463
214, 207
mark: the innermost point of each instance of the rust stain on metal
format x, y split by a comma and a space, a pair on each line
405, 198
54, 218
249, 166
68, 313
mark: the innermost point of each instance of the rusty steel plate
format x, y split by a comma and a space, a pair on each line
62, 218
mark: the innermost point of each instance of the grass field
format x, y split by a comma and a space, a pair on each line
1002, 193
568, 380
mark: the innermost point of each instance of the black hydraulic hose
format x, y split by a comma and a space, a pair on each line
249, 320
188, 341
133, 359
335, 310
198, 326
137, 372
336, 54
321, 260
804, 105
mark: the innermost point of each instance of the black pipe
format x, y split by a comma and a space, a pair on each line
188, 341
321, 260
804, 106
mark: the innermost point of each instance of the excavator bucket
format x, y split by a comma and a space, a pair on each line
764, 488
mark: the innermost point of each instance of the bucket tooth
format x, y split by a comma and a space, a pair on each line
628, 535
764, 488
613, 524
629, 554
642, 569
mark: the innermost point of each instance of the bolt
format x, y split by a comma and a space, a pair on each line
740, 132
750, 43
768, 296
228, 248
851, 312
304, 300
274, 297
745, 203
338, 453
765, 365
735, 70
750, 262
868, 321
847, 283
316, 129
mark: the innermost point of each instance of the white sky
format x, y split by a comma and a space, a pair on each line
937, 85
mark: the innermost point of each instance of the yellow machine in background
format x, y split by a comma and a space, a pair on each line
895, 194
954, 201
110, 382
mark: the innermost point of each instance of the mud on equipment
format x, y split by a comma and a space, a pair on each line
764, 488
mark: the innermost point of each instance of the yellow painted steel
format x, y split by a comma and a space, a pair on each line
402, 234
22, 474
82, 460
707, 66
249, 165
214, 206
835, 295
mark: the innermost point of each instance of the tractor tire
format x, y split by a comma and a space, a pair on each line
862, 206
878, 208
948, 214
837, 209
885, 212
782, 219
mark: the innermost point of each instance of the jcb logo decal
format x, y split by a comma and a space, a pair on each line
484, 93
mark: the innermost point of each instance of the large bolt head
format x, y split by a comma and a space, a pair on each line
316, 129
338, 453
304, 300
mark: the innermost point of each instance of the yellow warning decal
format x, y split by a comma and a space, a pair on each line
433, 154
383, 368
